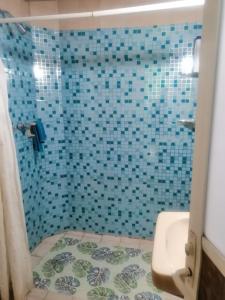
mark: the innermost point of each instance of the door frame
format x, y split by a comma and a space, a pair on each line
204, 117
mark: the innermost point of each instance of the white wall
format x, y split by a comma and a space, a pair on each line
215, 208
192, 14
40, 7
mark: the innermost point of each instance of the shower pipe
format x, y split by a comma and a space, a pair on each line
108, 12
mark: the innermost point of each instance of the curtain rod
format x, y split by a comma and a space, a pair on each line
46, 17
109, 12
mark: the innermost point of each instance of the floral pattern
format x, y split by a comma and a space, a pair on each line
132, 252
62, 243
102, 293
70, 241
147, 296
64, 258
57, 264
124, 282
117, 257
147, 257
81, 267
97, 276
39, 282
87, 247
104, 272
67, 285
134, 271
101, 253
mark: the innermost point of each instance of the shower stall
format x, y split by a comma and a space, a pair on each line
110, 101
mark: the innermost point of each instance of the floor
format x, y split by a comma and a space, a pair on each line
83, 266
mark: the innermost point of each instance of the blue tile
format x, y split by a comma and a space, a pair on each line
110, 100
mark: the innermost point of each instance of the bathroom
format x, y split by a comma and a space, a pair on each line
102, 118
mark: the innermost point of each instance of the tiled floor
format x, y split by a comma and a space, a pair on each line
43, 249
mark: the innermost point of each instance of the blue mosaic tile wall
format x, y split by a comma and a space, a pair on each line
17, 56
53, 172
123, 94
33, 65
110, 101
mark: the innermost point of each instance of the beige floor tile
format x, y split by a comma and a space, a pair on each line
92, 237
53, 239
110, 240
42, 249
130, 242
75, 234
167, 296
146, 245
55, 296
35, 260
37, 294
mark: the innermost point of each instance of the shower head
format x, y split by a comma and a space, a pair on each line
20, 27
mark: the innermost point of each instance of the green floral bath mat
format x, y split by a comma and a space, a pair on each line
93, 271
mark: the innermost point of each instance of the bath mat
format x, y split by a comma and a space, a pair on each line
94, 271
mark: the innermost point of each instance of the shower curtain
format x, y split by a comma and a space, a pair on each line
15, 263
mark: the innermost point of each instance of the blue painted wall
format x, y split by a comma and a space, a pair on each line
110, 101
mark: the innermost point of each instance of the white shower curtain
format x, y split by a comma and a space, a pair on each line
15, 262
